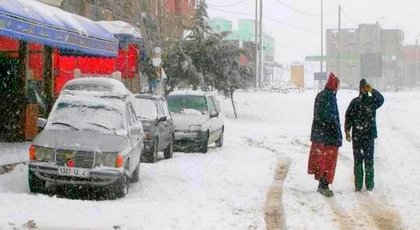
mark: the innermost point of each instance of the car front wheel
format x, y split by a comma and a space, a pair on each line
121, 187
205, 143
36, 185
136, 174
169, 151
153, 153
219, 142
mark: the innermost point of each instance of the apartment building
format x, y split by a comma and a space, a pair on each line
367, 51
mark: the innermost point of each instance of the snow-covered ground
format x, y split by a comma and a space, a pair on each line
227, 187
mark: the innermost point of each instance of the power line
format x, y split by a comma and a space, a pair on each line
233, 12
342, 11
292, 26
302, 12
277, 21
233, 4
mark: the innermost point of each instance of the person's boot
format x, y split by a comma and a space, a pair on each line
323, 188
320, 186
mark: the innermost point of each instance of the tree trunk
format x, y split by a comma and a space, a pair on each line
233, 103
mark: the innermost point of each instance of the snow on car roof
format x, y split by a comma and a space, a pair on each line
82, 99
96, 86
189, 92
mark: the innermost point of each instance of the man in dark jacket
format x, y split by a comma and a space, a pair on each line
326, 136
360, 119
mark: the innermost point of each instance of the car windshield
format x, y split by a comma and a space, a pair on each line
87, 116
145, 108
178, 103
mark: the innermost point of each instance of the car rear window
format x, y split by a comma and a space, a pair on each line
145, 108
177, 103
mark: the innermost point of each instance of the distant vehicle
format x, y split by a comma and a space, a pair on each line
198, 120
158, 125
92, 138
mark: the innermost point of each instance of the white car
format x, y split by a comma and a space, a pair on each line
197, 118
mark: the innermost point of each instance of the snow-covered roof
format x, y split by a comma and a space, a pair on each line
120, 27
35, 21
67, 20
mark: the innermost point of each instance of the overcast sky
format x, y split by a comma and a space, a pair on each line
296, 24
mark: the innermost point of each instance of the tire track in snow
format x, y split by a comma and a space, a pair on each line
349, 220
371, 212
274, 216
273, 211
346, 219
352, 219
384, 217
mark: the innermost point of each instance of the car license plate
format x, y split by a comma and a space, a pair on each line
78, 172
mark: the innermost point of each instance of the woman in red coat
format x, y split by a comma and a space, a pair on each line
326, 136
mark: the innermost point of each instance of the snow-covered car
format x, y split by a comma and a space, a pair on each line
92, 138
98, 86
153, 112
198, 119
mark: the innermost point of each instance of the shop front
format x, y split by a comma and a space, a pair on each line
32, 37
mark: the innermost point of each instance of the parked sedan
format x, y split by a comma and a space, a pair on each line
153, 112
198, 120
89, 140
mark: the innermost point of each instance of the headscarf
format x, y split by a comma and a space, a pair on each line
332, 82
364, 95
362, 84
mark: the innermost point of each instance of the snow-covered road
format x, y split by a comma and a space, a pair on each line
228, 187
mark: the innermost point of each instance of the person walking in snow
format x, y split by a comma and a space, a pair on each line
326, 136
360, 119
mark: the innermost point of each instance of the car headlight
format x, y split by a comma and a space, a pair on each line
195, 128
106, 159
43, 154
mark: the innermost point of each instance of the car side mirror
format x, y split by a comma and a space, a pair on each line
135, 130
41, 122
163, 118
214, 113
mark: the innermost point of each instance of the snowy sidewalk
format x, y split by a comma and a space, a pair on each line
12, 153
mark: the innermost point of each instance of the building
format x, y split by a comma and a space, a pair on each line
411, 66
245, 35
366, 52
172, 16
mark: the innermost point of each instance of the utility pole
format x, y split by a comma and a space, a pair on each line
417, 59
322, 42
261, 46
322, 36
256, 45
339, 41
